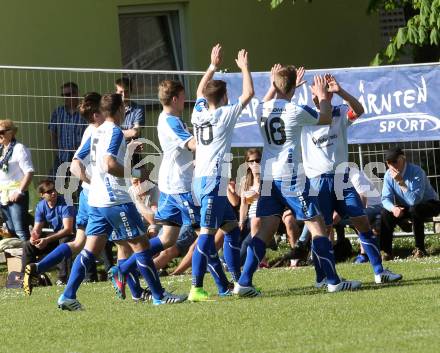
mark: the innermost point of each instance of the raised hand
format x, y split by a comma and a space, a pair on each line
216, 55
273, 71
320, 87
299, 76
333, 85
242, 59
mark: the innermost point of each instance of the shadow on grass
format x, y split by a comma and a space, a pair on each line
365, 287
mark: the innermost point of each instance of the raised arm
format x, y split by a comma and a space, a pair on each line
272, 89
299, 77
248, 85
216, 60
335, 87
325, 108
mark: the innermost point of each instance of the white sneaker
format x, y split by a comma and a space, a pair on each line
321, 285
169, 298
387, 276
68, 304
243, 291
343, 285
146, 296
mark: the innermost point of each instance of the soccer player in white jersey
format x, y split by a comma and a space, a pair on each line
214, 120
283, 182
325, 158
111, 207
176, 206
89, 109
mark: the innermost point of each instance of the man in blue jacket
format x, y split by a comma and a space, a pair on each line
406, 194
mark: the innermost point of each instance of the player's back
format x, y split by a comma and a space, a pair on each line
176, 169
325, 147
107, 189
213, 132
280, 124
86, 161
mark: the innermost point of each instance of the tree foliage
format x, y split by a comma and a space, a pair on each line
275, 3
423, 28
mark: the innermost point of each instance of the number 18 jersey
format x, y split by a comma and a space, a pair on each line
280, 124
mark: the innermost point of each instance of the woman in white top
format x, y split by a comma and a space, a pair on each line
250, 192
250, 187
16, 171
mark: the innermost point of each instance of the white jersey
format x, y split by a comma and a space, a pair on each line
148, 199
86, 161
107, 190
365, 187
213, 132
281, 123
176, 169
325, 147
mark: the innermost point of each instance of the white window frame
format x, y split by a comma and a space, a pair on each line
164, 10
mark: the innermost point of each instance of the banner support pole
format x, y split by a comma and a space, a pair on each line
361, 159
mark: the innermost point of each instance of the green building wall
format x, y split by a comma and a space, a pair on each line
85, 34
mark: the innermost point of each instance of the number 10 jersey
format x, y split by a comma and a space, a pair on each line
213, 132
280, 124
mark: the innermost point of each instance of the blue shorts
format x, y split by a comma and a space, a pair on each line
284, 194
178, 209
348, 206
215, 209
123, 219
82, 217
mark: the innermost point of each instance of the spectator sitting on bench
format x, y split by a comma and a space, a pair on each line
53, 211
406, 193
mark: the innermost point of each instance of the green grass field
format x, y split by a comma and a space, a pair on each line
291, 316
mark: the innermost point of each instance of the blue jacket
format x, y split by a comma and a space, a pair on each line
419, 189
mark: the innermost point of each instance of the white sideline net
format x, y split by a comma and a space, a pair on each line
28, 95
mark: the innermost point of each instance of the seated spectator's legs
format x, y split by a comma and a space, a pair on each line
31, 252
185, 263
186, 238
66, 263
8, 220
165, 256
305, 235
292, 229
387, 224
418, 215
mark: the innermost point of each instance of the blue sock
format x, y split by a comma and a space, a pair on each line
323, 249
215, 267
148, 271
199, 259
80, 267
371, 247
61, 252
129, 265
255, 253
320, 274
231, 252
155, 246
132, 278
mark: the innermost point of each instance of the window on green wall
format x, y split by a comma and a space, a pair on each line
151, 41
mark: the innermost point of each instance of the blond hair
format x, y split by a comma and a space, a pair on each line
285, 79
8, 124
